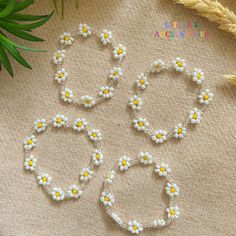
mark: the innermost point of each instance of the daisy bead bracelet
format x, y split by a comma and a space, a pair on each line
80, 125
171, 189
106, 91
195, 115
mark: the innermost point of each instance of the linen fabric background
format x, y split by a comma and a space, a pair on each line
203, 164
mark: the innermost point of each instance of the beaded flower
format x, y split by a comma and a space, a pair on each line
180, 131
29, 142
205, 97
198, 76
145, 158
119, 51
195, 116
59, 120
44, 179
157, 66
110, 176
107, 199
106, 92
95, 135
115, 73
135, 103
172, 189
159, 136
40, 125
84, 30
141, 124
124, 163
135, 227
66, 39
67, 95
79, 124
30, 163
88, 101
86, 174
74, 191
162, 169
58, 57
57, 194
142, 81
61, 75
105, 37
97, 157
173, 212
179, 64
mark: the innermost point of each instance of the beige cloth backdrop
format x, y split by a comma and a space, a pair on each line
203, 164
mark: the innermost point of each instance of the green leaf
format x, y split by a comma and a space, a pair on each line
14, 25
22, 5
22, 17
4, 39
8, 9
23, 35
5, 61
16, 55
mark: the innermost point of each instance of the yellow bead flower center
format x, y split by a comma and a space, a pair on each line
179, 64
107, 199
86, 174
172, 212
59, 120
194, 116
135, 102
40, 125
30, 141
74, 191
57, 194
85, 30
119, 51
115, 73
67, 94
142, 81
135, 227
199, 76
106, 91
172, 190
205, 97
97, 156
145, 158
140, 123
66, 38
61, 75
105, 36
30, 163
79, 124
124, 162
44, 179
159, 136
87, 101
94, 135
58, 56
180, 130
162, 169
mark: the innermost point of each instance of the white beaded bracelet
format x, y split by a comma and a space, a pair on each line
80, 125
61, 75
194, 116
171, 189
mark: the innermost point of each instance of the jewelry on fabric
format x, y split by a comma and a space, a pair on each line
171, 190
194, 117
61, 75
80, 125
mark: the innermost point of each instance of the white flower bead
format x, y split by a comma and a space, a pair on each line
110, 176
40, 125
57, 194
88, 101
198, 76
66, 39
124, 163
58, 57
173, 212
119, 51
29, 142
84, 30
107, 199
159, 223
157, 66
44, 179
74, 191
180, 131
97, 157
116, 218
135, 227
195, 116
30, 163
105, 37
67, 95
115, 73
95, 135
172, 189
86, 174
106, 92
159, 136
135, 103
59, 120
179, 64
142, 81
141, 124
145, 158
79, 124
205, 97
162, 169
61, 75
